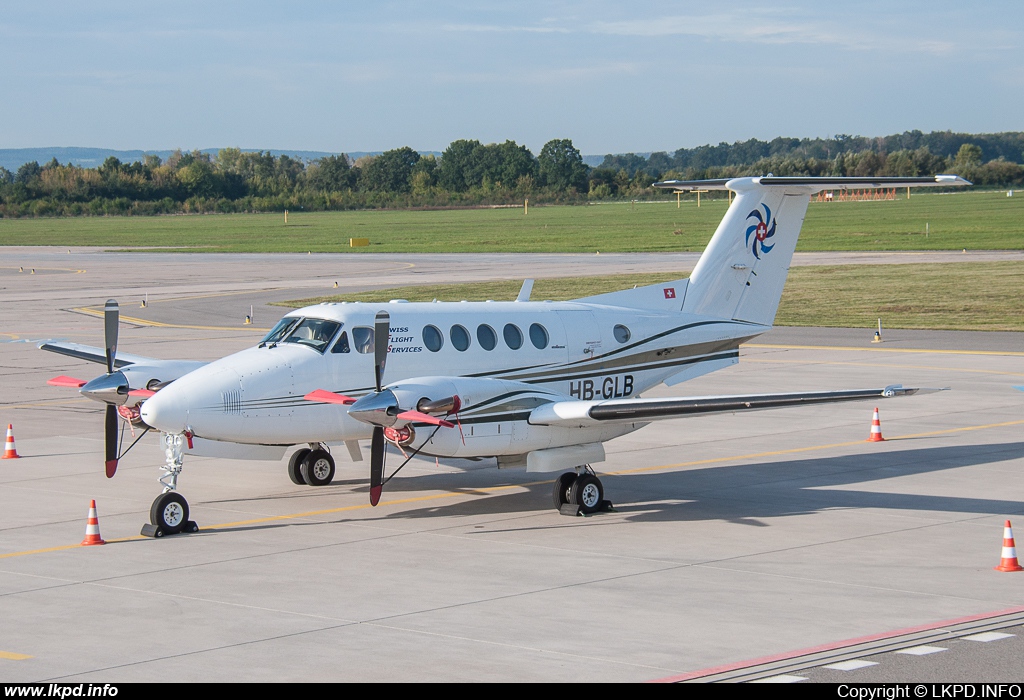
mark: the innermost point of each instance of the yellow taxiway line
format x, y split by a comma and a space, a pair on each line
13, 657
494, 489
157, 324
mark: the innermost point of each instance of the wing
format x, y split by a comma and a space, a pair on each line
97, 355
580, 414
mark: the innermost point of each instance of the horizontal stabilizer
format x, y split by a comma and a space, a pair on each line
590, 413
816, 184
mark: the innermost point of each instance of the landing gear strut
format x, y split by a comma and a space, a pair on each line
169, 512
579, 493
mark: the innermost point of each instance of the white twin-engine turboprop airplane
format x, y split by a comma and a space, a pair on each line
540, 385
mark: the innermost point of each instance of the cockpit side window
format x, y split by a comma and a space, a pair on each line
280, 330
342, 344
362, 338
314, 332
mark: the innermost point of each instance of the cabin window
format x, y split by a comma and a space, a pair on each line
362, 338
513, 336
621, 333
539, 336
342, 344
460, 338
432, 338
486, 336
313, 332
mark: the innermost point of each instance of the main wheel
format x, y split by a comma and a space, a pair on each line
587, 492
169, 512
560, 494
293, 467
318, 468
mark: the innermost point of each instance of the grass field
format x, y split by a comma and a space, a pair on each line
972, 219
950, 296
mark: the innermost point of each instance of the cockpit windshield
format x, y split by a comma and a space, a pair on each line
314, 332
280, 330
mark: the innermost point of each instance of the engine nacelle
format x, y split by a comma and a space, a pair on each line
492, 417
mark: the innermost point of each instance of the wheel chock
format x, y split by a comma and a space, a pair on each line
151, 530
607, 507
570, 509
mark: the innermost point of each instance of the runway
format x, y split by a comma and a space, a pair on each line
735, 537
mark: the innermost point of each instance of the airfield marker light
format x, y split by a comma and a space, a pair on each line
876, 429
34, 270
286, 216
335, 285
21, 269
10, 450
145, 301
878, 333
92, 527
1009, 558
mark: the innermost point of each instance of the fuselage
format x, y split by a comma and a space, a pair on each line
502, 358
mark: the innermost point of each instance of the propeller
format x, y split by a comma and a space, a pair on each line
381, 408
111, 317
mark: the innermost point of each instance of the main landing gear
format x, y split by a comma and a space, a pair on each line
169, 512
579, 493
312, 467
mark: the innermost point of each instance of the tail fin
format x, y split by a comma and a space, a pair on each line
743, 269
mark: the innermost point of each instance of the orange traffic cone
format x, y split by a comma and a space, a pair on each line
92, 528
10, 451
1009, 561
876, 429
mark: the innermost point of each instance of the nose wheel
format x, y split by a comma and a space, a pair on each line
169, 516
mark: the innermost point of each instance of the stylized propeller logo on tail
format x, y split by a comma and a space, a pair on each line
761, 231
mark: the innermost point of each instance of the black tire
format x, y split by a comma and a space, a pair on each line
318, 468
560, 494
169, 513
293, 467
587, 493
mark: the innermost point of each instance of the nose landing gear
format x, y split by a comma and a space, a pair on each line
580, 493
169, 512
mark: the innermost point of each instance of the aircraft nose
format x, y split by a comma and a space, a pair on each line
167, 410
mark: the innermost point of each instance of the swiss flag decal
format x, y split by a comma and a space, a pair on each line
670, 292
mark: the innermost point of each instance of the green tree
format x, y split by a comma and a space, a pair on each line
390, 171
456, 161
330, 174
968, 156
561, 166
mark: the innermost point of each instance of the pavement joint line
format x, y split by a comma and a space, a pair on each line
871, 364
875, 644
1010, 353
485, 491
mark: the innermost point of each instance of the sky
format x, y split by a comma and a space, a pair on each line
614, 77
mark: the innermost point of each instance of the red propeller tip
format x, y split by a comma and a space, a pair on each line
375, 492
417, 417
329, 397
144, 393
64, 380
111, 465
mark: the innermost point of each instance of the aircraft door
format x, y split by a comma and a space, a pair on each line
583, 334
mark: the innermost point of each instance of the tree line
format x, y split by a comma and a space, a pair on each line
470, 173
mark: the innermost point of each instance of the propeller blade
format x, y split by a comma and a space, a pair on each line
417, 417
329, 397
144, 393
110, 438
110, 321
381, 340
376, 465
64, 380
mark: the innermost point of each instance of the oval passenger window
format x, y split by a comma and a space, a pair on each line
513, 336
460, 338
486, 336
539, 336
622, 333
432, 338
